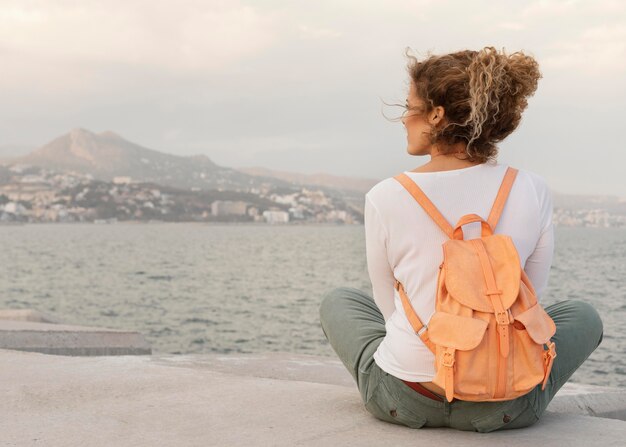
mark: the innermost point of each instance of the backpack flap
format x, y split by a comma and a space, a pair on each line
455, 331
449, 333
465, 277
538, 324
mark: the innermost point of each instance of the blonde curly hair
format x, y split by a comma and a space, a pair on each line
482, 92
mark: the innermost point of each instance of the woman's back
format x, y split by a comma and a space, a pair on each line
403, 242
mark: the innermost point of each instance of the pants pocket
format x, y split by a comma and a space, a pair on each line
388, 407
515, 413
368, 380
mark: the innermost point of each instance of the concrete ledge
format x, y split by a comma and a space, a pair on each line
62, 339
572, 398
183, 401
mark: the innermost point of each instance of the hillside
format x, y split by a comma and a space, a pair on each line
107, 155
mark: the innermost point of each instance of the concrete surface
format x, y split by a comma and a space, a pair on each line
209, 400
572, 398
63, 339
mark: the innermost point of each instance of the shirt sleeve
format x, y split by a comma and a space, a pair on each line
539, 262
380, 272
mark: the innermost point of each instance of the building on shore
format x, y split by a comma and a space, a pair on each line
273, 216
122, 180
229, 208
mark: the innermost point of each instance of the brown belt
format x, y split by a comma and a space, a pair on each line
423, 390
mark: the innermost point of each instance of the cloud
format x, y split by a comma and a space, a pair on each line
599, 50
550, 8
308, 32
182, 36
512, 26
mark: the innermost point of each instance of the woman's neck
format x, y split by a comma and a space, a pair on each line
444, 162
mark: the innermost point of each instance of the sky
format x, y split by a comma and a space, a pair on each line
301, 85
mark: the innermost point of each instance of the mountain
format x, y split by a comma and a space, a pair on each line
359, 185
107, 155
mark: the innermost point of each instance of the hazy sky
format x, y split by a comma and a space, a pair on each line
298, 85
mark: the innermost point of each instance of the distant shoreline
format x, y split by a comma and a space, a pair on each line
157, 222
251, 224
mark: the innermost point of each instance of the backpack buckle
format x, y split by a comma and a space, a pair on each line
502, 317
551, 351
548, 360
448, 357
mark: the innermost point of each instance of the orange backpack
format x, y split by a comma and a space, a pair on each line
488, 332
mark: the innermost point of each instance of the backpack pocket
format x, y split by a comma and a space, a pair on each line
538, 323
460, 358
531, 330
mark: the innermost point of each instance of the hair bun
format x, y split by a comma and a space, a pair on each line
482, 92
499, 82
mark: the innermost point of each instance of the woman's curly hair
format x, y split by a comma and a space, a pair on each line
482, 92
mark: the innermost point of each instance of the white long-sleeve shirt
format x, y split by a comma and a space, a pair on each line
402, 241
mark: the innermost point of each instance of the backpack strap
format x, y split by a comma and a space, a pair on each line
420, 329
503, 194
425, 203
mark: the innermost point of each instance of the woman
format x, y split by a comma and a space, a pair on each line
458, 107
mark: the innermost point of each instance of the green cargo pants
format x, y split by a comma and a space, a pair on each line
355, 327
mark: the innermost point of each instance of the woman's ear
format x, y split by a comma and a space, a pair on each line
436, 115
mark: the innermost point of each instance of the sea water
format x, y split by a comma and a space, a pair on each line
204, 288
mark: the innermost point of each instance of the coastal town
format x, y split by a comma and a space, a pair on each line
595, 218
30, 194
